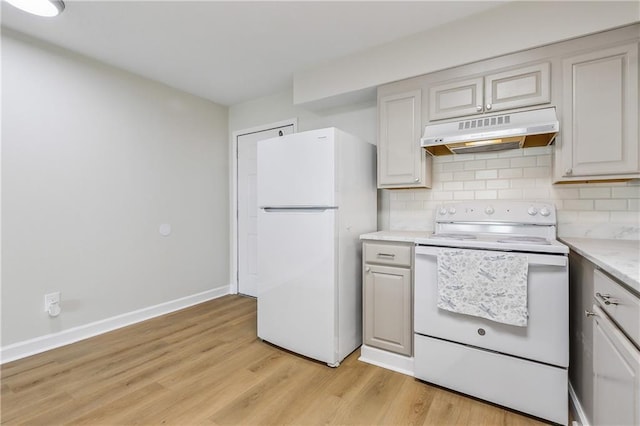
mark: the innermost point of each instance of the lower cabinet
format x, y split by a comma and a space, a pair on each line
616, 358
388, 297
604, 369
616, 369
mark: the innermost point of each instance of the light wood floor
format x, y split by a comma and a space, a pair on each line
204, 365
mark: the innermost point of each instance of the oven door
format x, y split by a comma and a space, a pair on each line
544, 339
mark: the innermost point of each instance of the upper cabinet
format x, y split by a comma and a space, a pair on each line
599, 127
402, 163
515, 88
592, 82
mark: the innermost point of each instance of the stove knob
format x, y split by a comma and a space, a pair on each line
532, 211
442, 211
489, 210
545, 211
452, 210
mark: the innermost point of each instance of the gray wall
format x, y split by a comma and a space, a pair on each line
94, 159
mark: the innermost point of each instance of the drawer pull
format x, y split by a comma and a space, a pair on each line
605, 298
589, 314
387, 255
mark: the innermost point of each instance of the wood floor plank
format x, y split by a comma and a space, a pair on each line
204, 365
113, 412
410, 405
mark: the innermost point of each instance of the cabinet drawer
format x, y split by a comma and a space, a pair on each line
623, 307
387, 254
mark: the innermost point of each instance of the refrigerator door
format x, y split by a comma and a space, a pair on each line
297, 170
297, 281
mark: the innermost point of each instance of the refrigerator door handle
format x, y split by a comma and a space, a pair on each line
314, 209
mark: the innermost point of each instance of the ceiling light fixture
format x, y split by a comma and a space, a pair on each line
46, 8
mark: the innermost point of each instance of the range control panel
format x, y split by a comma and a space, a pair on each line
523, 212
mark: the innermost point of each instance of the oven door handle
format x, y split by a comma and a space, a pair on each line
534, 258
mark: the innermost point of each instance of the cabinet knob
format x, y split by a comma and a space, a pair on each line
367, 269
589, 314
488, 107
568, 172
416, 180
478, 108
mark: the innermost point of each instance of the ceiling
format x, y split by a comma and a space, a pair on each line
230, 52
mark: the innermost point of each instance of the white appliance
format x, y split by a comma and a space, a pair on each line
316, 195
492, 133
523, 368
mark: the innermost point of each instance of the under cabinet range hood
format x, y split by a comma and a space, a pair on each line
495, 133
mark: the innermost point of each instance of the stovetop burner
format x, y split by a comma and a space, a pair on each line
526, 240
455, 236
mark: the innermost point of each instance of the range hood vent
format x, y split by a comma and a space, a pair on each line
486, 134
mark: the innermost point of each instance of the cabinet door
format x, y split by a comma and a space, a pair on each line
455, 99
387, 308
600, 113
616, 375
518, 88
402, 163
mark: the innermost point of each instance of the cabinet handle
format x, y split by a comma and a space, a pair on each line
568, 172
478, 108
416, 180
488, 107
367, 269
589, 314
390, 255
605, 299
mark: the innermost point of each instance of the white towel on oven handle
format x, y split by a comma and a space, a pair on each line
485, 284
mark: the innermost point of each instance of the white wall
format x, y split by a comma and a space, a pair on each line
508, 28
597, 210
94, 159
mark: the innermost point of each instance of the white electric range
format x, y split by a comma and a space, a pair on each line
520, 367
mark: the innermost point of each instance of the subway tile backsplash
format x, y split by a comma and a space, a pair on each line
598, 210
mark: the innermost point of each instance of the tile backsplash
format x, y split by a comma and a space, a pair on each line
595, 210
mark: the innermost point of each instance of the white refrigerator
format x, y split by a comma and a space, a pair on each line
316, 195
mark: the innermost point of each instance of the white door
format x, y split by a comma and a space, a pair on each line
544, 339
616, 375
298, 170
400, 158
297, 293
247, 209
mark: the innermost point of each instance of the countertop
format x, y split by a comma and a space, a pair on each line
619, 258
401, 236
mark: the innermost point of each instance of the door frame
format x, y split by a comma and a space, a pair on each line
233, 193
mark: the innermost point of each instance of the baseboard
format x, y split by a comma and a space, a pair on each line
389, 360
51, 341
579, 416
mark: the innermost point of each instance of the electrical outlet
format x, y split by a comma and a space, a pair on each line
50, 299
